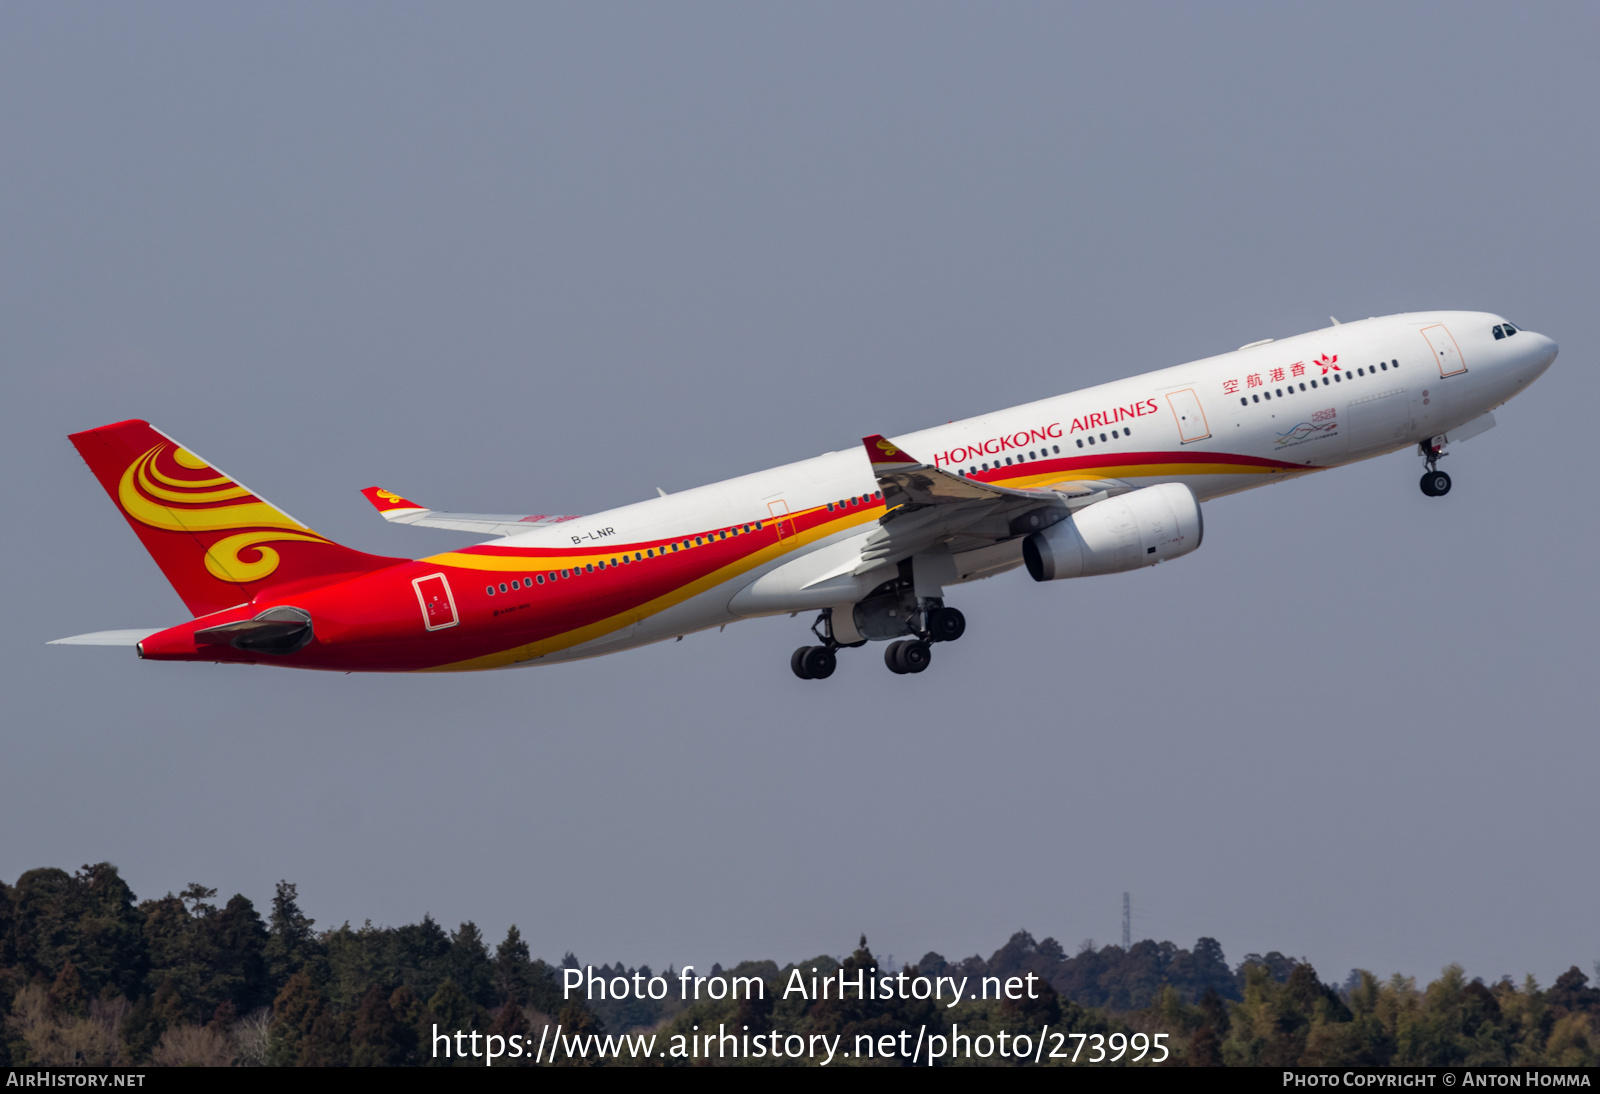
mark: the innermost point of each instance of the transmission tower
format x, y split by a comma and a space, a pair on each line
1127, 923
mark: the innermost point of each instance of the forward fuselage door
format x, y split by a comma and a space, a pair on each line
1446, 354
1192, 425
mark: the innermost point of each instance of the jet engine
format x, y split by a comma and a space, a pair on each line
1136, 529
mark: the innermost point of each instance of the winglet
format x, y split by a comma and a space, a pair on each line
390, 504
886, 456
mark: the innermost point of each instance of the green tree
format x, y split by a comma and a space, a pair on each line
450, 1010
291, 945
467, 963
513, 967
377, 1037
87, 918
578, 1021
304, 1030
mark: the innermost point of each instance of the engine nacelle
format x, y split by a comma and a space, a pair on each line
1126, 532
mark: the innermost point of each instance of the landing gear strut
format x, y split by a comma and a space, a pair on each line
1435, 483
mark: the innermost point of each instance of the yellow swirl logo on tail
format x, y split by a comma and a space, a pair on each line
145, 491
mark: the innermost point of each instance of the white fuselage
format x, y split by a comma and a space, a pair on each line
1220, 424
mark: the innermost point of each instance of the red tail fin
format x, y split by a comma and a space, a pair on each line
218, 543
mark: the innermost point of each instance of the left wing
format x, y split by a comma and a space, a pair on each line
392, 507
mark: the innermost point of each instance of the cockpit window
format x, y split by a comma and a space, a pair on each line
1510, 330
1499, 332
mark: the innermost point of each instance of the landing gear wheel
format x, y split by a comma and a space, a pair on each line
946, 625
915, 655
818, 662
907, 655
797, 662
1436, 484
891, 657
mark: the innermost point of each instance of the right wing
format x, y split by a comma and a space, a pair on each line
392, 507
928, 506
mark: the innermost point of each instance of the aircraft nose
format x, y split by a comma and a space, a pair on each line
1538, 355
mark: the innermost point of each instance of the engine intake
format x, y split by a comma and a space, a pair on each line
1122, 533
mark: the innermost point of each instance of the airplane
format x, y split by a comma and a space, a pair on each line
1103, 480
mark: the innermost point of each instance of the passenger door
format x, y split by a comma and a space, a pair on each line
1446, 354
1192, 425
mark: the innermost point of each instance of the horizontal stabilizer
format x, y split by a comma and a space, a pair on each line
398, 510
107, 638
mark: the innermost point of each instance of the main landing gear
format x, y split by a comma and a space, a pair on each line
908, 655
1435, 483
813, 662
818, 662
912, 655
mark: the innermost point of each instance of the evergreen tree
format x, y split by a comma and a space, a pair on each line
510, 1022
577, 1020
87, 918
416, 955
513, 967
291, 946
67, 997
467, 963
1205, 1048
377, 1037
450, 1010
8, 936
238, 943
304, 1032
410, 1013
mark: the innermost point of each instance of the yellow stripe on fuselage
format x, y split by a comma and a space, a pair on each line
602, 627
1170, 472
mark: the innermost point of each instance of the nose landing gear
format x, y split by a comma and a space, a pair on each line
1435, 483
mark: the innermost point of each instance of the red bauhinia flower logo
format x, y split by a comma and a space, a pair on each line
1328, 363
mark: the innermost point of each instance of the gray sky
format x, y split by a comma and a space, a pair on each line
547, 258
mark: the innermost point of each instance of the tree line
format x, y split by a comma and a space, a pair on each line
89, 974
